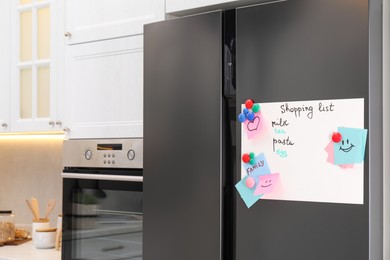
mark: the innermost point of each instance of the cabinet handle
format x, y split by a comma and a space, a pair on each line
51, 123
67, 34
59, 123
66, 129
4, 125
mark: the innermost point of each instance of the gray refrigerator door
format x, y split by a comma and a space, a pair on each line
182, 138
294, 51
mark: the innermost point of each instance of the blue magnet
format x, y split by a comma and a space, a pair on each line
245, 110
241, 117
250, 116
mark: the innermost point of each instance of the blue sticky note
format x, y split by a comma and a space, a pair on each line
259, 168
351, 148
246, 193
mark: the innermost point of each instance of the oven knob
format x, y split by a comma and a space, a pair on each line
131, 155
88, 154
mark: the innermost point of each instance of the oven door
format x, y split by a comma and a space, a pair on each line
102, 217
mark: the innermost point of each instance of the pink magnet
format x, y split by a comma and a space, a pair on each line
250, 182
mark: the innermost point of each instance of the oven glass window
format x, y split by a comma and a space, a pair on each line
103, 220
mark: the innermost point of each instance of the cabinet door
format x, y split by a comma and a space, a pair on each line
33, 69
104, 88
4, 64
91, 20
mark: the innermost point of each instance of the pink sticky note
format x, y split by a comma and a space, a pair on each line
330, 150
253, 127
266, 183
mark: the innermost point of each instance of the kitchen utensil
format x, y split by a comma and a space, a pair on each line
50, 206
35, 207
59, 233
36, 217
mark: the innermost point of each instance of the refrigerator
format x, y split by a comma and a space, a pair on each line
286, 56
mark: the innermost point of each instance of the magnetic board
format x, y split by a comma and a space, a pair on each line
294, 137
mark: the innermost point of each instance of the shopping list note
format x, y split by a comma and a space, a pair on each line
294, 136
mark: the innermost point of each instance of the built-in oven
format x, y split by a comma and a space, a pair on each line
102, 199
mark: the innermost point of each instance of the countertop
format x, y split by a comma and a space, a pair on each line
27, 251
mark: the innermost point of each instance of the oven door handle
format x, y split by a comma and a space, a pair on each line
69, 175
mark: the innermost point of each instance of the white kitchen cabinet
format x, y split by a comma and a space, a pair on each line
104, 88
4, 98
4, 103
185, 7
173, 6
4, 65
91, 20
34, 64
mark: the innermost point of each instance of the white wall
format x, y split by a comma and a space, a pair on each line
386, 122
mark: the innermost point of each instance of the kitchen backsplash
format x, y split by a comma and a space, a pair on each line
30, 167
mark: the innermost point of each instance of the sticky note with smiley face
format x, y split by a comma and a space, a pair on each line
351, 148
266, 183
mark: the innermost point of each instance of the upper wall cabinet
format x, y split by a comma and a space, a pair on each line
104, 89
4, 65
187, 7
91, 20
104, 66
192, 6
33, 66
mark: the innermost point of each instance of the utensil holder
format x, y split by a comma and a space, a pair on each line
39, 224
45, 238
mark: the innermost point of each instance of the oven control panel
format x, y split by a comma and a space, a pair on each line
110, 153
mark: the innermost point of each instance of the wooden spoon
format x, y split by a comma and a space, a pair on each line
32, 210
35, 207
50, 206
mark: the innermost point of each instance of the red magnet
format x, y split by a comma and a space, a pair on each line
246, 158
249, 103
336, 137
250, 182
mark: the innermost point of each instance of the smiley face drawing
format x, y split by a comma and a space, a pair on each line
346, 149
267, 183
351, 148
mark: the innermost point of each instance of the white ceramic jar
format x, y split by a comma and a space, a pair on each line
45, 238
